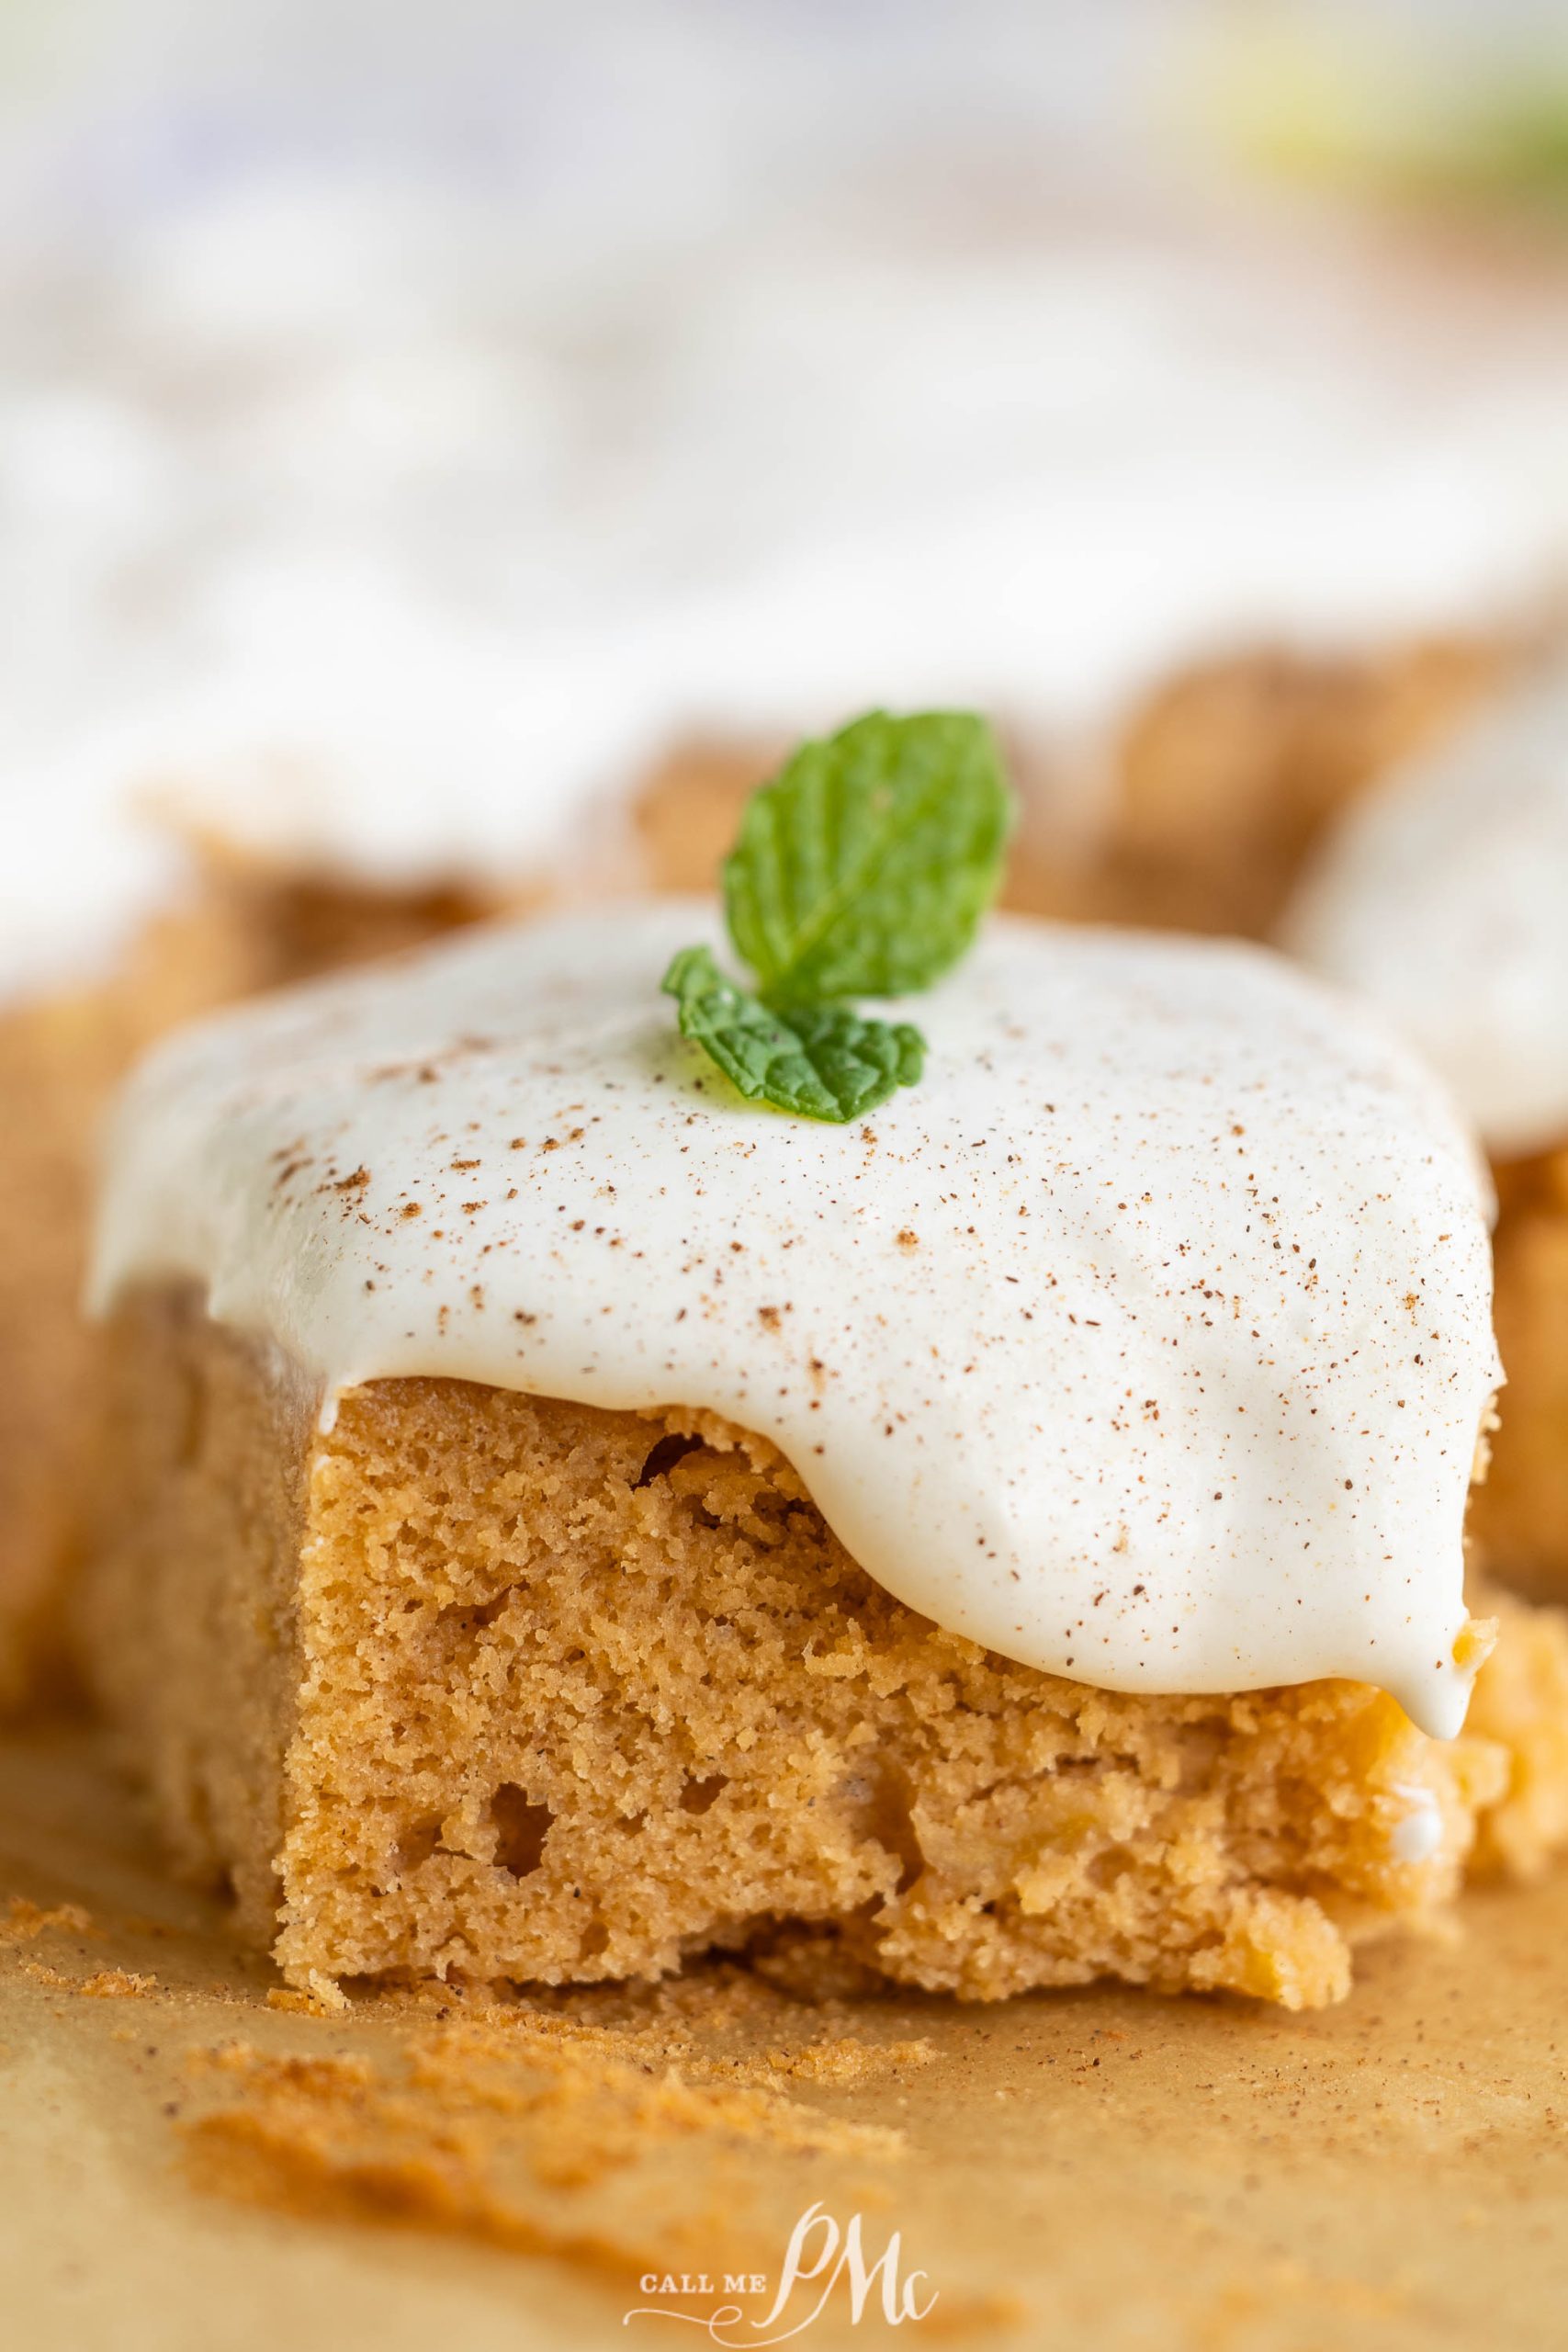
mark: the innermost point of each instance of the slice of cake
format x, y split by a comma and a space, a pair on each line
561, 1518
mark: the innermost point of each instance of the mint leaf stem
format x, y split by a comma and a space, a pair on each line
820, 1061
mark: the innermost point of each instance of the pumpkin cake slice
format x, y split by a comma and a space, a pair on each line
561, 1518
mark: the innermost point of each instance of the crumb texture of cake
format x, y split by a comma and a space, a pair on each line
495, 1686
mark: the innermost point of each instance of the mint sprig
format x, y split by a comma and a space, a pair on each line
863, 869
821, 1060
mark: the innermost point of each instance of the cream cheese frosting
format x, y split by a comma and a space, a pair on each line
1443, 900
1146, 1340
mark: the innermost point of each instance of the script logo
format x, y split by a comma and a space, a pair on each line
819, 2258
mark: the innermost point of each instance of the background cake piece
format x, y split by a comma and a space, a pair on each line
1195, 811
1523, 1521
1440, 899
239, 929
1521, 1700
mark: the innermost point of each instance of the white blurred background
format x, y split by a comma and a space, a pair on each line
412, 420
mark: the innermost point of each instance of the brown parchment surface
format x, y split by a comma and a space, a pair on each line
188, 2168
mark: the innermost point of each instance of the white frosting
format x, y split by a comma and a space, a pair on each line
1147, 1340
1418, 1834
1443, 899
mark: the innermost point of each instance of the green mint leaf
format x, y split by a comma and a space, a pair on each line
821, 1061
865, 866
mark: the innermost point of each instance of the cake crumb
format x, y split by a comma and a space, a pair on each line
24, 1920
537, 2133
117, 1984
303, 2005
